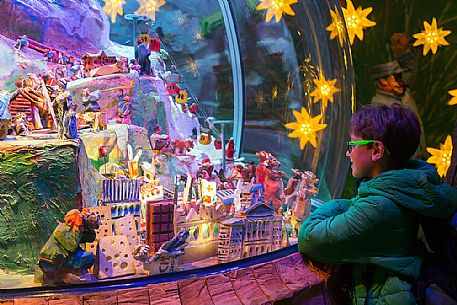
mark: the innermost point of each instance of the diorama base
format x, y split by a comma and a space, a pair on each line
286, 280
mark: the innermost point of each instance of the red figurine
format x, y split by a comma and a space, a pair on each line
230, 149
154, 45
173, 89
193, 108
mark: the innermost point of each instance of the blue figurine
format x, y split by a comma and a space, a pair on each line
5, 115
70, 122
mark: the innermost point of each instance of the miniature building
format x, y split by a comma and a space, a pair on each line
21, 105
226, 195
123, 195
261, 233
230, 240
105, 229
114, 257
120, 190
159, 223
204, 233
93, 61
276, 239
126, 226
246, 197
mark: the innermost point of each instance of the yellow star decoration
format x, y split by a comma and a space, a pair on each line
441, 157
336, 28
356, 20
260, 99
149, 7
274, 93
276, 8
324, 90
305, 127
453, 100
113, 8
431, 37
192, 66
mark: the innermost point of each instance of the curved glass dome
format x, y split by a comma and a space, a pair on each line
254, 74
282, 86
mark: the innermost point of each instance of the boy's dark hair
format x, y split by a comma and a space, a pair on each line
396, 126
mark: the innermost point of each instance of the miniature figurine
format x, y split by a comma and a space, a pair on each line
134, 66
157, 140
90, 100
193, 109
181, 97
172, 248
300, 189
267, 174
55, 56
123, 111
173, 89
61, 258
20, 125
205, 138
123, 65
154, 45
181, 147
250, 172
78, 69
49, 55
261, 169
273, 185
257, 194
221, 175
21, 42
217, 144
120, 95
70, 122
61, 105
5, 116
307, 189
143, 58
207, 166
237, 173
230, 150
157, 65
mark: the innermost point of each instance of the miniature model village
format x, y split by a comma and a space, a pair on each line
154, 201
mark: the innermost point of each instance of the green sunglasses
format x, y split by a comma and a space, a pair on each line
351, 145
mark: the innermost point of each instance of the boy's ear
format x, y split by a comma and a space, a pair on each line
378, 151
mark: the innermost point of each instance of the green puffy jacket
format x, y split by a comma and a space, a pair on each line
379, 227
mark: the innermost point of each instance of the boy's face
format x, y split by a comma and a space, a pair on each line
361, 159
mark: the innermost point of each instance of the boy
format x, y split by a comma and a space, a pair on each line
376, 231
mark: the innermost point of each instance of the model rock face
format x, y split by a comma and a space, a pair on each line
55, 23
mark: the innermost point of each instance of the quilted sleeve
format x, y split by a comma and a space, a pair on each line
341, 232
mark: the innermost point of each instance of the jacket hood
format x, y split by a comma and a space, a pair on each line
417, 187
